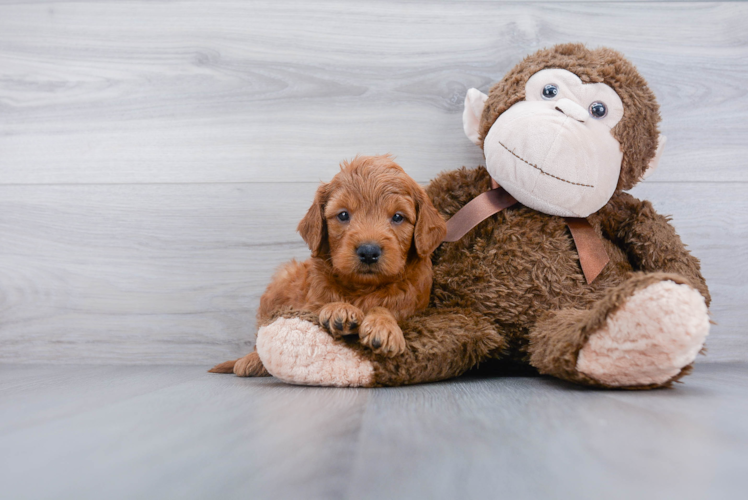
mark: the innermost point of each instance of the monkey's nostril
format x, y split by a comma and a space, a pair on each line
572, 110
369, 253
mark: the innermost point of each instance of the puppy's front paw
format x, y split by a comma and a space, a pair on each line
340, 318
381, 332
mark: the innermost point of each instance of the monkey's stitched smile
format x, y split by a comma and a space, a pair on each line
541, 170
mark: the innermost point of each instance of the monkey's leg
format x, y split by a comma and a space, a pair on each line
643, 334
440, 344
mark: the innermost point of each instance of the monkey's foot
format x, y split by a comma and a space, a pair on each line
655, 334
300, 352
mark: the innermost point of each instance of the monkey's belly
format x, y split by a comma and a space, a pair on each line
516, 266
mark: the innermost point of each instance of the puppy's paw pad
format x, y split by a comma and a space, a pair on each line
341, 319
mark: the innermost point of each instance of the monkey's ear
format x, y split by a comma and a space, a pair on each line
313, 227
474, 102
430, 228
656, 160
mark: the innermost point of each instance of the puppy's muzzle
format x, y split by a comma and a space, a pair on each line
369, 253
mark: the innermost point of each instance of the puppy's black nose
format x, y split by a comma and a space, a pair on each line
368, 253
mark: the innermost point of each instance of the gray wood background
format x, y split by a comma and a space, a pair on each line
155, 157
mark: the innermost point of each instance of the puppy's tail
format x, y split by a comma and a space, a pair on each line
225, 367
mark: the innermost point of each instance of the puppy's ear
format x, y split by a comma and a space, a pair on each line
430, 228
313, 227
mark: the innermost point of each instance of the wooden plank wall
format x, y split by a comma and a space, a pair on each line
156, 156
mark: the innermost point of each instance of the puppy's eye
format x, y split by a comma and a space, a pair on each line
344, 216
398, 218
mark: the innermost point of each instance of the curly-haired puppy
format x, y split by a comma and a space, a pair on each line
371, 230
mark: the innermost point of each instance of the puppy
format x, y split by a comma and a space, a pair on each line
371, 231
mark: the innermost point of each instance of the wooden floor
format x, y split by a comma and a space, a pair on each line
177, 432
156, 156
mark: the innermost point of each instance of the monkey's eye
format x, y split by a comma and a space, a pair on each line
398, 218
550, 91
344, 216
598, 109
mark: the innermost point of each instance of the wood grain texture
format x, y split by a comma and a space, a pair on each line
155, 157
173, 273
140, 273
83, 432
276, 91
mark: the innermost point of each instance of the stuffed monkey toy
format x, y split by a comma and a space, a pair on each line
568, 274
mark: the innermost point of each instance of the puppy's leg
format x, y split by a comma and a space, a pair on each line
225, 367
250, 366
340, 318
381, 332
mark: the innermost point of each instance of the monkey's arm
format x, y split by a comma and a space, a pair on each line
452, 190
441, 343
649, 240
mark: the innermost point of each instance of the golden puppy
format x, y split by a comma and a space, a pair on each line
371, 230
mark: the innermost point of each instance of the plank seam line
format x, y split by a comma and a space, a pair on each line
84, 184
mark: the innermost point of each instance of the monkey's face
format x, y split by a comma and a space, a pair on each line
554, 151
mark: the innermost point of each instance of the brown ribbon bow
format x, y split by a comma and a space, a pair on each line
592, 255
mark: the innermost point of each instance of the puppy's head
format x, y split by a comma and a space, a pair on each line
370, 219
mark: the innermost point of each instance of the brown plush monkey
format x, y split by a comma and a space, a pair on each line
565, 133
